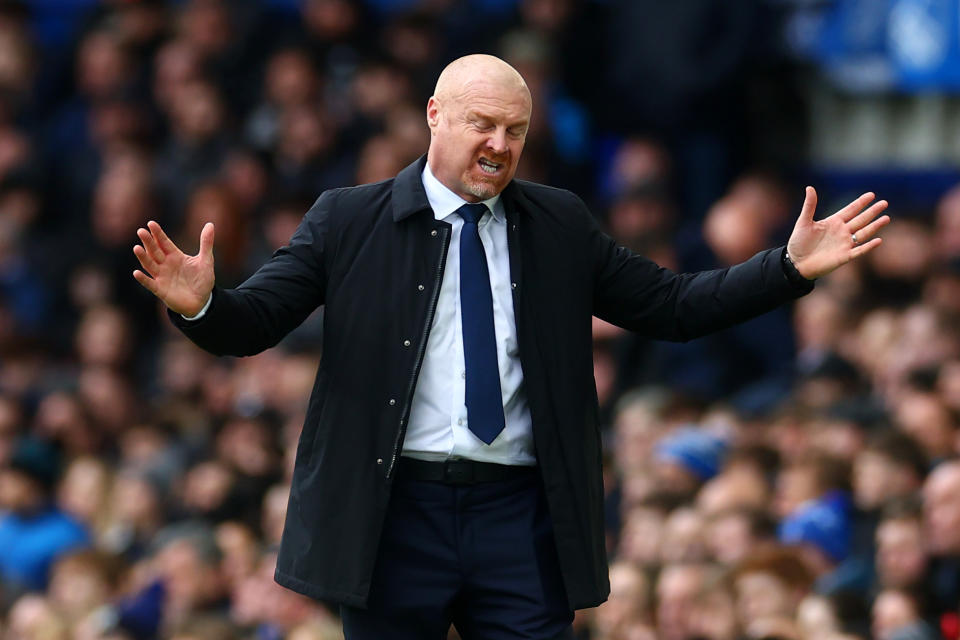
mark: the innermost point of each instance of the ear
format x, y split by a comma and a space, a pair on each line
433, 113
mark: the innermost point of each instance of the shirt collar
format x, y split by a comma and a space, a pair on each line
445, 202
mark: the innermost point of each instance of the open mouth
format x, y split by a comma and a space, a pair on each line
490, 168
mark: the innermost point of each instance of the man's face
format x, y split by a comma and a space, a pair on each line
941, 506
18, 492
677, 589
872, 478
762, 594
901, 558
477, 137
729, 538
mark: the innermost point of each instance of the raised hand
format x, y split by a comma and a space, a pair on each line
183, 282
817, 247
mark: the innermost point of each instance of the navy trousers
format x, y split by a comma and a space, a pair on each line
480, 557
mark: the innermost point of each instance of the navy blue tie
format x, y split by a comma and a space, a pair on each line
483, 398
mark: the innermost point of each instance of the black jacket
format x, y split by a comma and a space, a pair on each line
374, 255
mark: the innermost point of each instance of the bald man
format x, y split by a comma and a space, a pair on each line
941, 528
448, 471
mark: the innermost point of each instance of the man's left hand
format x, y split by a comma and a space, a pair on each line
817, 247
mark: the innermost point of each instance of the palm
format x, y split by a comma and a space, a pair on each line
182, 282
817, 247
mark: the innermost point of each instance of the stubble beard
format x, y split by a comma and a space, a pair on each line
480, 188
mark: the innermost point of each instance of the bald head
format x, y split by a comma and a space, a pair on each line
464, 73
478, 118
941, 508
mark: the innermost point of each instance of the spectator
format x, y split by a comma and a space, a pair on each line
714, 613
733, 535
769, 585
186, 567
678, 587
901, 557
924, 417
198, 143
82, 582
896, 616
33, 531
33, 618
84, 492
628, 604
941, 513
214, 202
687, 458
290, 80
890, 466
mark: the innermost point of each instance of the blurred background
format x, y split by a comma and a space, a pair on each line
791, 478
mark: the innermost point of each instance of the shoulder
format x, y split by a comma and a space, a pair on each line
359, 194
559, 208
545, 194
352, 202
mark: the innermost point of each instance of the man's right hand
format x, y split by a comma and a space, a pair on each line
183, 282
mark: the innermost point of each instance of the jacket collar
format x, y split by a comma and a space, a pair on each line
409, 196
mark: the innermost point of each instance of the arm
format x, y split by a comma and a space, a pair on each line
261, 311
635, 293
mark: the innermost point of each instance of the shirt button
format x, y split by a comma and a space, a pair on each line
460, 421
406, 343
392, 402
433, 233
463, 374
420, 287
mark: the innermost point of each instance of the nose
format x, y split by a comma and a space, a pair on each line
498, 140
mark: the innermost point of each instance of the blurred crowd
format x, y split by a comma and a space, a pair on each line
793, 478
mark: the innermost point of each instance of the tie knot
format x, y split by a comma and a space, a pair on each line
472, 212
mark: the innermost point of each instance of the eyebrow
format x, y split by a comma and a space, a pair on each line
476, 115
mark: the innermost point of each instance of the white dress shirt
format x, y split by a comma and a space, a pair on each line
438, 426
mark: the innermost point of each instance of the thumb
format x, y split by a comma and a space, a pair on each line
809, 205
206, 241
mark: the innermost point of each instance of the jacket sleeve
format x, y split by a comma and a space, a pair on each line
632, 292
274, 300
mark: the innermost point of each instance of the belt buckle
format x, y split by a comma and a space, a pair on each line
458, 472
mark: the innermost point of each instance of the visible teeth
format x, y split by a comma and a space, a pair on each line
488, 167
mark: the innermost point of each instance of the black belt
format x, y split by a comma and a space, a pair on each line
461, 471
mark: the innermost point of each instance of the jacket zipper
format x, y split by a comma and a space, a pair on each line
421, 351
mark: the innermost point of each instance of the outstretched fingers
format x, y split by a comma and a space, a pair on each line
850, 211
150, 245
866, 247
861, 221
871, 229
165, 243
146, 261
149, 283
